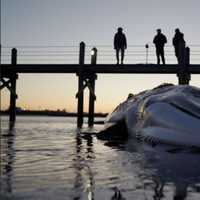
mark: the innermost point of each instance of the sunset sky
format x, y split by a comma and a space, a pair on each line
60, 25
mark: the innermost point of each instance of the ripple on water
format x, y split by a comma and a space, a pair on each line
45, 158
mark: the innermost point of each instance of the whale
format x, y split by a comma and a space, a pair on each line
168, 114
160, 130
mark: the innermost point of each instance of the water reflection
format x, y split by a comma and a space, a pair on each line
84, 180
169, 165
8, 156
158, 189
117, 195
84, 184
84, 168
180, 191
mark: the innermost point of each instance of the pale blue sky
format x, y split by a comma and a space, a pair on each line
67, 22
93, 21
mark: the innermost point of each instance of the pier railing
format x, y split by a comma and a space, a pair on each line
69, 54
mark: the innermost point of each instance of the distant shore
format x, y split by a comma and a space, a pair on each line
49, 113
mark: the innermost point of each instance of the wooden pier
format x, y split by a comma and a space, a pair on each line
87, 75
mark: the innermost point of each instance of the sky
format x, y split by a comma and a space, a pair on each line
53, 24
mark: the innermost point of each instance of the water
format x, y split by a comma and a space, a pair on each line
47, 158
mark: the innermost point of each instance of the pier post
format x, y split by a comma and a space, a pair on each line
14, 56
92, 97
0, 55
147, 48
94, 56
187, 61
184, 61
13, 95
80, 95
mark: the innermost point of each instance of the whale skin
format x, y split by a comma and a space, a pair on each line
168, 114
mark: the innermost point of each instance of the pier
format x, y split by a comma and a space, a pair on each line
87, 75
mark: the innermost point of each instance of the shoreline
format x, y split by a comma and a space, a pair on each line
51, 113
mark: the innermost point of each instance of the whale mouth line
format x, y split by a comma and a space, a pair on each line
184, 110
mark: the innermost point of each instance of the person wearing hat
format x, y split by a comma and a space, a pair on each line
159, 41
177, 41
120, 44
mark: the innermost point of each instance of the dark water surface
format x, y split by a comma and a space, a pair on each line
47, 158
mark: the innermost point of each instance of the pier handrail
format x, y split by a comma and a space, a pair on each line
69, 54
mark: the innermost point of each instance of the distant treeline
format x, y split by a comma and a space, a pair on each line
50, 113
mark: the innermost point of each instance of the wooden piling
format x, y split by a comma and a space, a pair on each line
14, 56
92, 99
184, 61
94, 56
13, 96
13, 99
80, 95
82, 53
0, 57
187, 61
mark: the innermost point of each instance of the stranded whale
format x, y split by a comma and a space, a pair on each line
168, 114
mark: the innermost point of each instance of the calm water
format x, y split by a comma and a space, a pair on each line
47, 158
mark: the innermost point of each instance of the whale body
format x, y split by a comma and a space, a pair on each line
168, 114
161, 128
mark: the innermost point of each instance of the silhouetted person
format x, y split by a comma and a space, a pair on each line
159, 41
177, 41
120, 44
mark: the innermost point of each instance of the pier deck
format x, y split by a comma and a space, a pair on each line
7, 69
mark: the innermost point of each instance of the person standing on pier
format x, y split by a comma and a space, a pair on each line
120, 44
159, 41
178, 41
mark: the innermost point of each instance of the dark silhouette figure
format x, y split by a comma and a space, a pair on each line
120, 44
177, 41
159, 41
